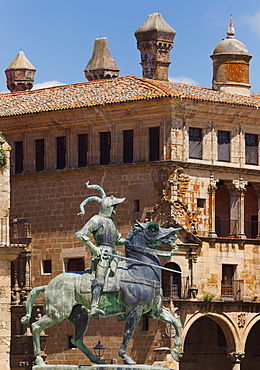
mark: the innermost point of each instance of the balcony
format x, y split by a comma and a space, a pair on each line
251, 229
226, 228
232, 290
14, 232
175, 287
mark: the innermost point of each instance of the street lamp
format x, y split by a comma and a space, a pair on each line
99, 349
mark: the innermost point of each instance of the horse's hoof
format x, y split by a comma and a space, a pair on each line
128, 360
39, 361
97, 312
25, 319
175, 354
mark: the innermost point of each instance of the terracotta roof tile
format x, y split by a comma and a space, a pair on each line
112, 91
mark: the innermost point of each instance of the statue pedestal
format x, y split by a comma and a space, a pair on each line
97, 367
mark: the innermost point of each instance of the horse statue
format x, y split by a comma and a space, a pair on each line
132, 290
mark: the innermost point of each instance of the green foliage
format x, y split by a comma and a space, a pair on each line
3, 159
208, 297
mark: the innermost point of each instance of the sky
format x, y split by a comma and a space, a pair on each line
57, 36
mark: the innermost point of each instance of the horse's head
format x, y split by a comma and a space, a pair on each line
154, 234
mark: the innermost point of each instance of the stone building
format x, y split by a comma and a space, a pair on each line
181, 155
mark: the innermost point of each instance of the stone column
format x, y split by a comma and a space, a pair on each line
241, 187
212, 205
236, 360
237, 191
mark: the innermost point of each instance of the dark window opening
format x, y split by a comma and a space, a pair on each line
61, 152
224, 146
136, 205
128, 146
221, 340
251, 149
105, 146
154, 144
195, 143
201, 202
82, 150
47, 266
75, 264
39, 157
70, 344
18, 166
145, 323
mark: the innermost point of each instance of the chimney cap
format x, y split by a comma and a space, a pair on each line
155, 28
21, 62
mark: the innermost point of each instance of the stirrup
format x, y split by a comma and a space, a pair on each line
97, 312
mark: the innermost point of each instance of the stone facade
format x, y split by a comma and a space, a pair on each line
216, 201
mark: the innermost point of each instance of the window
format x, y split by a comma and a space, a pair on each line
195, 143
18, 165
39, 155
46, 267
154, 144
74, 264
224, 146
251, 149
136, 205
61, 152
105, 146
128, 146
82, 150
201, 202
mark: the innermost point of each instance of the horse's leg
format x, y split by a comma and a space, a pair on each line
80, 321
165, 315
132, 320
37, 327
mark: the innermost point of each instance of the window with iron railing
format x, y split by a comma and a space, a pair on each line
232, 290
154, 144
226, 227
128, 136
251, 149
82, 150
60, 152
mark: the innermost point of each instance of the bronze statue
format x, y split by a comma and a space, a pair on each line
106, 236
133, 290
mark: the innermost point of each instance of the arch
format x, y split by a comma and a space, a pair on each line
225, 323
248, 328
172, 281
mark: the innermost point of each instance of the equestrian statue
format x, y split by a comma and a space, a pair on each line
127, 286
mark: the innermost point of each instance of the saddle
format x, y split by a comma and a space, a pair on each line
111, 282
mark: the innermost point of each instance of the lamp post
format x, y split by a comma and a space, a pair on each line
99, 349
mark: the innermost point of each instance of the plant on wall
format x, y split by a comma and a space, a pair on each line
3, 158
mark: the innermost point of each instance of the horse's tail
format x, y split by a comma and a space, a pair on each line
30, 301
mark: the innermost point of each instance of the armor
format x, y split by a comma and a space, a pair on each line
106, 236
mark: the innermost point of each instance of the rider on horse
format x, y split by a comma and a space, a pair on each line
106, 236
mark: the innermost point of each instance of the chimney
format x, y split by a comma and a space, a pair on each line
155, 40
101, 65
20, 74
231, 65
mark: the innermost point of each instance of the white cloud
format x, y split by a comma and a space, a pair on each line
43, 85
184, 80
254, 22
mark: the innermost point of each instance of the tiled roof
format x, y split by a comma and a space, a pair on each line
111, 91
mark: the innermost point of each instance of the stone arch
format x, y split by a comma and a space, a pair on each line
225, 323
247, 330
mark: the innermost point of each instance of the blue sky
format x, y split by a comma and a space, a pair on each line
57, 36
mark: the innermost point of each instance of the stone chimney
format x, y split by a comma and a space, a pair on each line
231, 65
101, 65
155, 40
20, 74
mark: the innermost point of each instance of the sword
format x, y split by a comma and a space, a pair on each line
141, 262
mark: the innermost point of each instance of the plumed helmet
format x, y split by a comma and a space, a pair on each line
107, 204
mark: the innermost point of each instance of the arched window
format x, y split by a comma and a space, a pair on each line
171, 281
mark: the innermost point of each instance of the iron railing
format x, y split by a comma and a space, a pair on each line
14, 231
232, 290
175, 287
226, 228
251, 229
